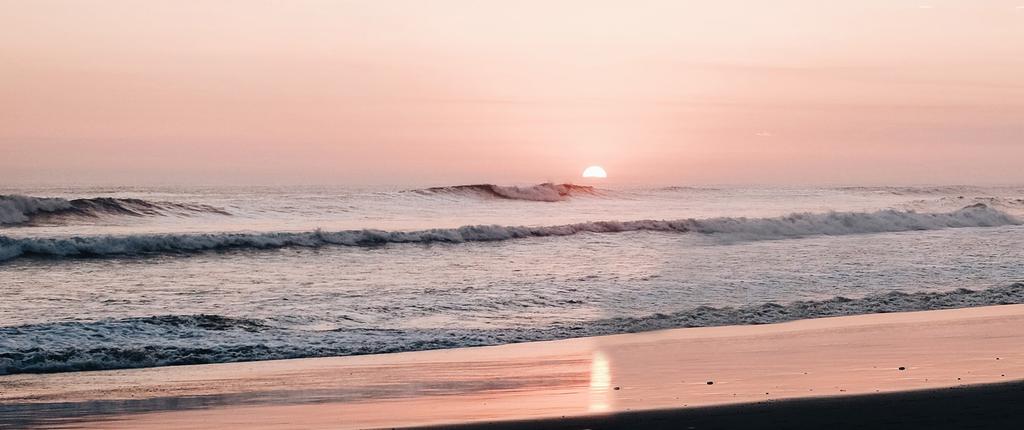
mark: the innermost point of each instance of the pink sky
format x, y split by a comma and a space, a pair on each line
439, 92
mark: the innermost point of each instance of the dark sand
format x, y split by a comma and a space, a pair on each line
994, 406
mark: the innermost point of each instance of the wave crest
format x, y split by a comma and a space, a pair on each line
547, 192
790, 226
18, 209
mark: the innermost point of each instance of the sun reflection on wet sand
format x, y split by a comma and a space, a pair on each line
600, 383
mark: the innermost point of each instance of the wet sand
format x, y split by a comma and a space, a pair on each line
958, 367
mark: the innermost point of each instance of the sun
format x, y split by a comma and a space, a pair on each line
595, 172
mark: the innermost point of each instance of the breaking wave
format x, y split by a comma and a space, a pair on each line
790, 226
546, 192
18, 209
199, 339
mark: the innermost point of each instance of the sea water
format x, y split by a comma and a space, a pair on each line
121, 277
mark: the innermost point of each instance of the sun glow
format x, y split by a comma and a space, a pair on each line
600, 383
595, 172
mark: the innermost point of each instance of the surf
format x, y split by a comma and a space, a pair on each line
739, 229
165, 340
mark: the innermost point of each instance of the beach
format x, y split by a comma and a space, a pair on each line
481, 214
850, 370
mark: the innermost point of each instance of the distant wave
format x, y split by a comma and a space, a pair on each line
18, 209
1009, 204
791, 226
197, 339
677, 188
924, 190
546, 192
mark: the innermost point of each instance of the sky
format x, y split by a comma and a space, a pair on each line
786, 92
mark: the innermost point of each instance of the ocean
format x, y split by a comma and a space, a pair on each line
125, 277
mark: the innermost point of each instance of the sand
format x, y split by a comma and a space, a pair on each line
801, 374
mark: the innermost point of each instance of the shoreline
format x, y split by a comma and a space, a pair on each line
593, 381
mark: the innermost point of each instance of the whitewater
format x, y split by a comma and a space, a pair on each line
122, 277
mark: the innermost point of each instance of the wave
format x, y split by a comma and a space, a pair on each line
547, 192
1009, 204
199, 339
934, 190
18, 209
791, 226
680, 188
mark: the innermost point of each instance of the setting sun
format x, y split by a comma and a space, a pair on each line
595, 172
